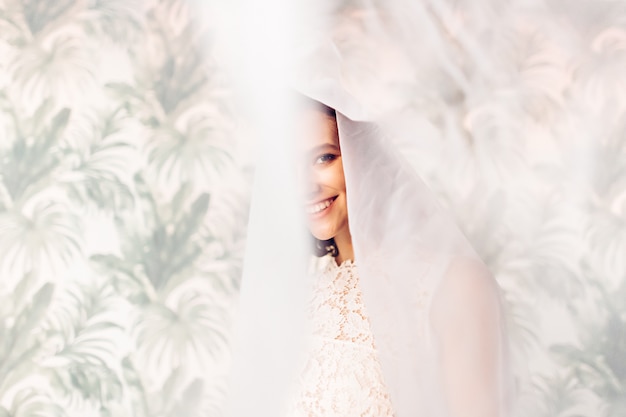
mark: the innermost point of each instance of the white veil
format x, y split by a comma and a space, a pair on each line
434, 307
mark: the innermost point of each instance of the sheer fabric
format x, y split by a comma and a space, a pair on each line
433, 306
434, 309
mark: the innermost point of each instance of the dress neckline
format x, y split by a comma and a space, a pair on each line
348, 263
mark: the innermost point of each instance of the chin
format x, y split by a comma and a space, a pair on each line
322, 237
321, 234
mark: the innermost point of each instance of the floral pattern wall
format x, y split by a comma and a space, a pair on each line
124, 186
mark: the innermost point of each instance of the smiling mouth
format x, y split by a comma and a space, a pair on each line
321, 206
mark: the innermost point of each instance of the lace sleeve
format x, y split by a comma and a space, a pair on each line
468, 326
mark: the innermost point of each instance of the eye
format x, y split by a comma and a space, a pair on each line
326, 158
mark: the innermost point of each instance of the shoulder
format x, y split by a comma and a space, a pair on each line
468, 324
467, 295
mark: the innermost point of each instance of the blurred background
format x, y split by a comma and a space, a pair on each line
125, 178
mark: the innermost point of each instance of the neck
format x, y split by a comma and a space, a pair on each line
343, 241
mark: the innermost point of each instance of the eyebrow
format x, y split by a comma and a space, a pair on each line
324, 146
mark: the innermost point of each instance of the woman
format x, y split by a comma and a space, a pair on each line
342, 375
433, 306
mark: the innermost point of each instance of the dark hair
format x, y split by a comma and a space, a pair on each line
324, 247
307, 102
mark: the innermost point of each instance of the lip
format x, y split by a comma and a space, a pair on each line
323, 212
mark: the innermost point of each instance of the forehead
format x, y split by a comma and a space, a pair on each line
314, 127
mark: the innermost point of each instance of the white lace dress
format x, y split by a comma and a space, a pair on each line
342, 376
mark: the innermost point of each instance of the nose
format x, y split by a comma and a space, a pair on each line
308, 183
313, 190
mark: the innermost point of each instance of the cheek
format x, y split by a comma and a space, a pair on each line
337, 179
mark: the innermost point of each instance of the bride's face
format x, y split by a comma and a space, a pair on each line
322, 170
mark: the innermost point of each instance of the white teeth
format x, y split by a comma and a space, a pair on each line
316, 208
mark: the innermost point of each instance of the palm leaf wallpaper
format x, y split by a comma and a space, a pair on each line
120, 237
124, 197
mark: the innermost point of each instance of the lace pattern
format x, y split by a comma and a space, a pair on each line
342, 376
